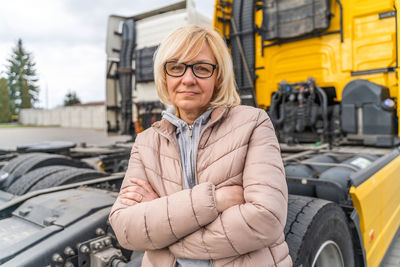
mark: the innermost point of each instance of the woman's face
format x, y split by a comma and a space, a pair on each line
189, 93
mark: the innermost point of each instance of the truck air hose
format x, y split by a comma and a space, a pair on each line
237, 61
277, 116
125, 73
301, 118
290, 114
324, 103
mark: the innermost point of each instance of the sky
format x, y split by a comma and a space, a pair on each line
67, 41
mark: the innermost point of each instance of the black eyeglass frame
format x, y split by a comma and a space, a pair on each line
214, 66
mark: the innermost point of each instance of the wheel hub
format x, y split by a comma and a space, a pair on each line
328, 255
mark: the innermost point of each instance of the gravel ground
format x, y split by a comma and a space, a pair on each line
12, 137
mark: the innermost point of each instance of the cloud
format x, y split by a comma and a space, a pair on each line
43, 21
67, 41
81, 70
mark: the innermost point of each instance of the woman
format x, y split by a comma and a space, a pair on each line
205, 185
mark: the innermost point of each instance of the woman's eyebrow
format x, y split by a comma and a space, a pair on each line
202, 60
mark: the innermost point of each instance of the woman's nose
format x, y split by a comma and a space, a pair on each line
188, 77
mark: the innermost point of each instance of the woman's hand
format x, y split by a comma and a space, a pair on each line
228, 196
139, 191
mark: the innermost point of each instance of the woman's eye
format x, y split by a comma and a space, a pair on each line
203, 68
176, 68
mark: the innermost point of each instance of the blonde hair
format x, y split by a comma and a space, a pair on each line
183, 45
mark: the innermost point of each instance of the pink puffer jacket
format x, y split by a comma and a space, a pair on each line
237, 147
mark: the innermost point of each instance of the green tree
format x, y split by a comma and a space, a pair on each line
22, 79
71, 98
5, 112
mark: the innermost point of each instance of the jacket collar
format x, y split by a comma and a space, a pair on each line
166, 128
182, 126
218, 113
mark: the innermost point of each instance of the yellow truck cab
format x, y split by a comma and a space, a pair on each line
327, 73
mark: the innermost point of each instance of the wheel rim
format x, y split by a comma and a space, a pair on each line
328, 255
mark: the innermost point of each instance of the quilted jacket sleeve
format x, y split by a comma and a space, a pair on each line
148, 225
260, 221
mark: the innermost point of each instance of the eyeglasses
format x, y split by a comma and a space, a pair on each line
200, 70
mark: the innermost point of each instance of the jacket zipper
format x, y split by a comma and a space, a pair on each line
190, 129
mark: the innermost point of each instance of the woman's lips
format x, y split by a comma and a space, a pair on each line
188, 93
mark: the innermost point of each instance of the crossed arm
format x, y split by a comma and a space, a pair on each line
141, 191
191, 246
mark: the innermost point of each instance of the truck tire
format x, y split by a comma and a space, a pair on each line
68, 176
318, 234
35, 161
7, 173
25, 182
43, 160
15, 162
